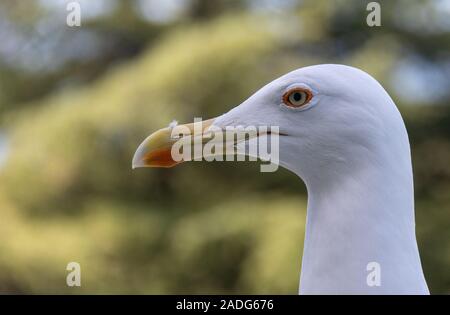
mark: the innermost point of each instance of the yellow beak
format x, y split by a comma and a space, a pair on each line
155, 150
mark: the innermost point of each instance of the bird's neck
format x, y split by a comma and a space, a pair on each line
360, 232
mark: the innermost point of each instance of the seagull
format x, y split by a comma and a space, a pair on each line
343, 135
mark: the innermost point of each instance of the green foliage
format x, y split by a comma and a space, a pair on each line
79, 200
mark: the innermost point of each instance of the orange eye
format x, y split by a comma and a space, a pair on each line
297, 97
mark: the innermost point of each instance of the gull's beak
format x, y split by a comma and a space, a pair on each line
155, 151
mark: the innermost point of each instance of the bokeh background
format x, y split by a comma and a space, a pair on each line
76, 102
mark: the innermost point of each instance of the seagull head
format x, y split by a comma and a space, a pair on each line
339, 131
330, 117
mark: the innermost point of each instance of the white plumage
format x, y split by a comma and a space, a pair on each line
350, 146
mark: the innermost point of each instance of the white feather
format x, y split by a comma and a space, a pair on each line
351, 148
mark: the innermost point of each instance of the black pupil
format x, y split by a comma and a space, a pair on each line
297, 96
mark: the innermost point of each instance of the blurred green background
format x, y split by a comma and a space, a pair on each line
76, 102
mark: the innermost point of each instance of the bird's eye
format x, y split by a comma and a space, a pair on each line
297, 97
